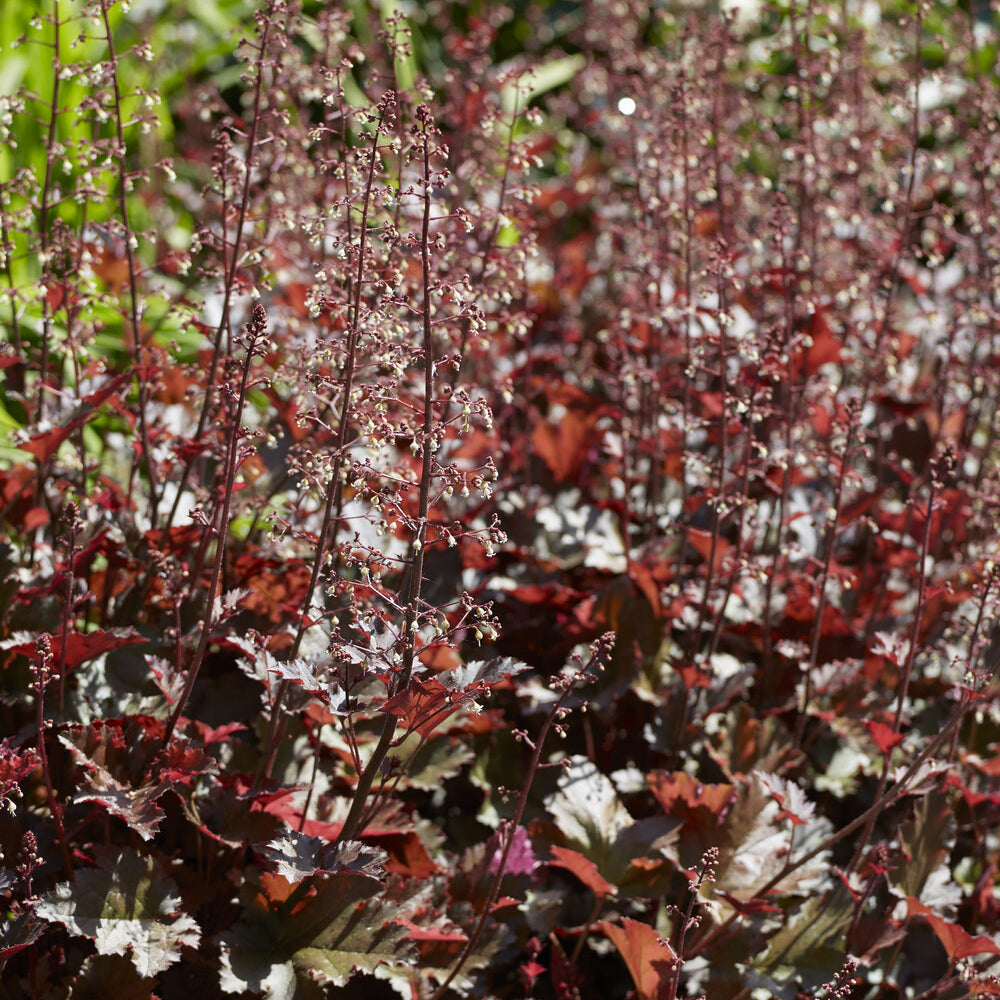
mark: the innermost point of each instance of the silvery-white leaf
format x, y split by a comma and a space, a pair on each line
480, 672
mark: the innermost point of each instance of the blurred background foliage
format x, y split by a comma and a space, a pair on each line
172, 48
175, 60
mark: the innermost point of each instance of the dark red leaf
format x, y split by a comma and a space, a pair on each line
183, 763
566, 978
957, 941
648, 956
701, 541
748, 907
886, 739
681, 795
825, 347
83, 646
583, 868
15, 766
422, 705
35, 518
643, 578
218, 734
505, 901
408, 856
449, 935
529, 972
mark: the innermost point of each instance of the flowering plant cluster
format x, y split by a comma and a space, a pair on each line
499, 501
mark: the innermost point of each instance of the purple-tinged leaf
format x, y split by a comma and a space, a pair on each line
360, 939
103, 976
19, 928
296, 857
136, 806
298, 671
810, 942
479, 672
790, 798
587, 809
521, 860
167, 677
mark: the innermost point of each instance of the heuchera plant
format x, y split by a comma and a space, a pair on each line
499, 502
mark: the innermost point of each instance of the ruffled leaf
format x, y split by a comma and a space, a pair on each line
126, 907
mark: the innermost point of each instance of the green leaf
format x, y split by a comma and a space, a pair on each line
983, 59
12, 70
437, 761
759, 841
259, 970
927, 841
809, 948
9, 453
508, 236
587, 810
360, 939
341, 928
594, 822
126, 907
544, 78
